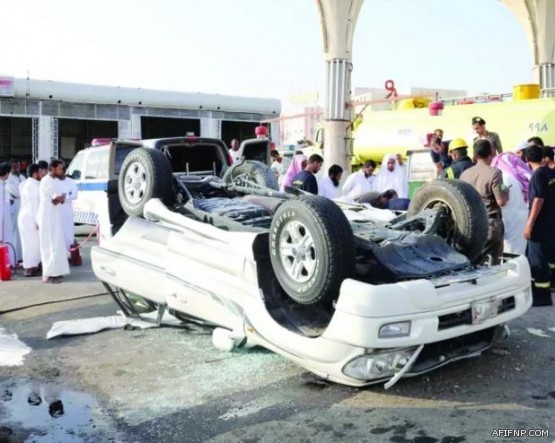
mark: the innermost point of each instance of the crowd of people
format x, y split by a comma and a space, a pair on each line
516, 187
518, 190
36, 217
386, 189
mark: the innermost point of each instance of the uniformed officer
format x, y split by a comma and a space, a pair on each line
538, 231
488, 181
461, 161
479, 127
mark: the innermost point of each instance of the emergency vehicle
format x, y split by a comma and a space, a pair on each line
515, 117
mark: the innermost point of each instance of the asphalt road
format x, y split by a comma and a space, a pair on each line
171, 385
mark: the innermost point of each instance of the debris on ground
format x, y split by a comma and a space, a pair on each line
97, 324
537, 332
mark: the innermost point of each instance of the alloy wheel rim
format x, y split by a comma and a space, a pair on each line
135, 182
297, 251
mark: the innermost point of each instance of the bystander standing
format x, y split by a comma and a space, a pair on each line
539, 227
234, 151
280, 165
360, 182
27, 222
390, 176
329, 186
6, 230
536, 141
439, 151
306, 179
51, 231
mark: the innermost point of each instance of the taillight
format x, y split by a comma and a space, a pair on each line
191, 138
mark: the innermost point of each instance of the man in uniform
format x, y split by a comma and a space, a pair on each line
488, 182
479, 126
461, 160
539, 227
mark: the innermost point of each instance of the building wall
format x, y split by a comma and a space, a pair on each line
41, 119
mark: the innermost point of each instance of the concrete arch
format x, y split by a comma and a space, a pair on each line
537, 17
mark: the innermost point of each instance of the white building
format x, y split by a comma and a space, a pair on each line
42, 119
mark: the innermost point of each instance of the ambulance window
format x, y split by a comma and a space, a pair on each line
97, 164
76, 166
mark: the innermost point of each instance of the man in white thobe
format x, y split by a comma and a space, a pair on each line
27, 222
51, 230
15, 178
360, 182
329, 186
401, 163
391, 176
515, 216
234, 152
280, 165
67, 186
6, 229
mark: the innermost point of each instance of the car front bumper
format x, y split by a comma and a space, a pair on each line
450, 318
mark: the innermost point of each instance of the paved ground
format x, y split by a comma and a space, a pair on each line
171, 385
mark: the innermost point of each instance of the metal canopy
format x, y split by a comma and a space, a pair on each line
537, 17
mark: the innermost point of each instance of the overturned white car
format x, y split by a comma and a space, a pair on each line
354, 295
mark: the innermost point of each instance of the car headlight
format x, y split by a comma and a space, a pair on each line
392, 330
367, 367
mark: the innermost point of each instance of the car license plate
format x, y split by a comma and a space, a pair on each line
484, 310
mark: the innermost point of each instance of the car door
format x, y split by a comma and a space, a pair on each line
256, 149
75, 171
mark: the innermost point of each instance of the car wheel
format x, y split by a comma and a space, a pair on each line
466, 226
253, 171
145, 174
312, 249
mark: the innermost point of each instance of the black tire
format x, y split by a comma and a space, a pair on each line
469, 231
330, 255
145, 174
252, 170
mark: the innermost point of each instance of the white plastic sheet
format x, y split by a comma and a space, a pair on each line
97, 324
12, 350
